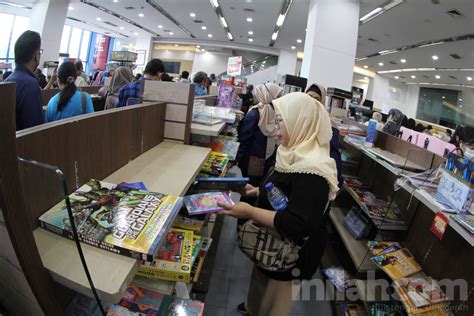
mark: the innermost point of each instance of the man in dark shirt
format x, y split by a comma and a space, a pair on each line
29, 111
247, 99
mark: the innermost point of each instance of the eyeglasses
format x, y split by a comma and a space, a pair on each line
278, 121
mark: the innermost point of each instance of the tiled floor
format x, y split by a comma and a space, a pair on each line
231, 278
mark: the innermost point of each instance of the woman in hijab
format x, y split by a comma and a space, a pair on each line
122, 76
257, 135
306, 174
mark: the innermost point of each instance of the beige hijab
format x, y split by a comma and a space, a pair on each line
321, 88
266, 93
309, 130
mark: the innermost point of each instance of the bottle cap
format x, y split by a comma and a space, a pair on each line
269, 186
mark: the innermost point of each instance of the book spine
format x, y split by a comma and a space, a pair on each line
159, 274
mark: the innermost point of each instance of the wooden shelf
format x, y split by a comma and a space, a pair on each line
357, 248
167, 168
207, 130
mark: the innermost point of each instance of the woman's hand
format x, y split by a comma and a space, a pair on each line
250, 191
239, 210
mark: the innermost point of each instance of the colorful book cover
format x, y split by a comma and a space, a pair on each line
390, 214
383, 247
197, 243
135, 185
204, 203
150, 303
174, 260
187, 223
198, 263
220, 184
225, 146
216, 164
82, 305
398, 264
116, 218
420, 294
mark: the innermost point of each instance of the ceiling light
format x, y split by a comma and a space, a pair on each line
251, 40
403, 61
215, 3
141, 15
299, 41
229, 36
135, 33
250, 33
160, 26
198, 46
203, 50
460, 106
209, 35
460, 99
386, 52
370, 15
13, 4
380, 64
171, 33
469, 78
366, 78
224, 23
396, 77
98, 19
115, 1
431, 44
437, 76
443, 97
176, 45
281, 19
365, 66
274, 36
293, 47
70, 8
392, 4
192, 14
249, 19
413, 77
434, 57
121, 27
203, 28
394, 90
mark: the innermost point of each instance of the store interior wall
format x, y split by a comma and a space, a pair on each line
267, 75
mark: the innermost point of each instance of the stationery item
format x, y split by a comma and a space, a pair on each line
204, 203
397, 264
116, 218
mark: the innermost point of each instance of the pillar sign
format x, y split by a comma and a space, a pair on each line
234, 66
101, 50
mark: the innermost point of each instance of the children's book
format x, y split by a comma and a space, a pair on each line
225, 146
397, 264
383, 247
174, 260
116, 218
188, 223
206, 202
197, 244
216, 164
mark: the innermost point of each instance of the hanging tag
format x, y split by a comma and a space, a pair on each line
438, 227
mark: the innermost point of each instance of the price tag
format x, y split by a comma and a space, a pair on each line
438, 227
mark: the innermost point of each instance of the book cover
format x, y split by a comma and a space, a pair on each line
116, 218
398, 264
228, 147
135, 185
204, 203
187, 223
390, 213
216, 164
197, 243
198, 263
339, 278
466, 221
147, 302
174, 260
354, 182
383, 247
219, 184
82, 305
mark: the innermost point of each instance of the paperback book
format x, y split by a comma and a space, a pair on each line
187, 223
198, 263
204, 203
383, 247
397, 264
215, 165
390, 214
224, 146
174, 260
116, 218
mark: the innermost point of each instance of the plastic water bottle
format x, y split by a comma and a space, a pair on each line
277, 199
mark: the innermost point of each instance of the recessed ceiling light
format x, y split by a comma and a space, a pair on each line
203, 50
160, 26
434, 57
209, 35
413, 77
203, 28
293, 47
141, 15
198, 46
365, 66
192, 14
469, 78
121, 27
176, 45
443, 97
366, 78
460, 99
394, 90
250, 33
135, 33
70, 8
299, 41
380, 64
437, 76
98, 19
396, 77
460, 106
274, 36
403, 61
249, 19
115, 1
171, 33
250, 39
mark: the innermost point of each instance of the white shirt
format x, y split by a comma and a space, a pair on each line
80, 82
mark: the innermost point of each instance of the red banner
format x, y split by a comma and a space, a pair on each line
101, 49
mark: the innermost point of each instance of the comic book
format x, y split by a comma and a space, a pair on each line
420, 294
397, 264
188, 224
383, 247
204, 203
215, 165
116, 218
146, 302
174, 260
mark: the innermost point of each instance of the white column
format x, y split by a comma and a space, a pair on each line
286, 63
378, 92
146, 44
331, 42
48, 18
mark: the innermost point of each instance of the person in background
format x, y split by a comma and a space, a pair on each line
257, 135
199, 80
69, 101
109, 72
6, 75
184, 77
166, 77
306, 174
137, 77
208, 84
318, 92
122, 77
247, 99
213, 78
81, 81
419, 128
41, 78
29, 109
411, 123
154, 69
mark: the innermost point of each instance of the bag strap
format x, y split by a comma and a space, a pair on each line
83, 101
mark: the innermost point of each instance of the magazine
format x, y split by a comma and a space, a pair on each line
397, 264
224, 146
204, 203
215, 165
339, 277
116, 218
383, 247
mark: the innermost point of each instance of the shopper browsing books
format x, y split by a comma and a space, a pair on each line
199, 81
258, 135
122, 77
306, 174
69, 101
184, 78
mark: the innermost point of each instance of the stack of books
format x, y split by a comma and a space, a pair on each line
466, 221
215, 166
225, 145
394, 260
